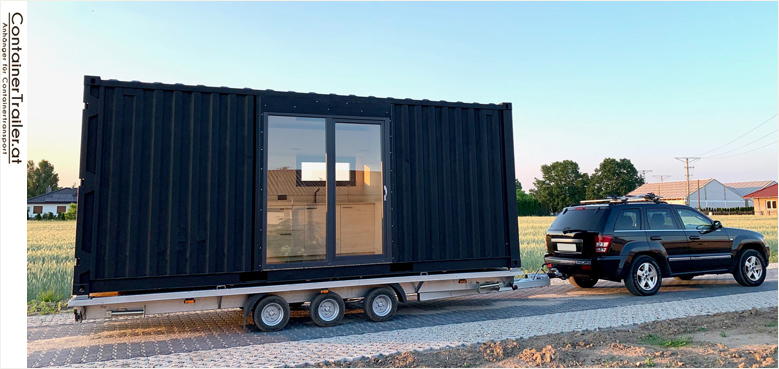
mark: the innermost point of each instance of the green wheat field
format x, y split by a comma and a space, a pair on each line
51, 244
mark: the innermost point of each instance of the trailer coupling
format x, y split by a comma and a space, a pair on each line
531, 280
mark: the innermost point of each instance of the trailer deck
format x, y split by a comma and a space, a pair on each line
422, 287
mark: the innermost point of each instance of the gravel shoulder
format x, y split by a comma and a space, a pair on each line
744, 339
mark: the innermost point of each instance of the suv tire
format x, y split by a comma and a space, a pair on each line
644, 277
750, 268
583, 282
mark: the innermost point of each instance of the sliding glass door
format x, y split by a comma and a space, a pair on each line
358, 197
325, 191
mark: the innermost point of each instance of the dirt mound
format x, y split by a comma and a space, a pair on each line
745, 340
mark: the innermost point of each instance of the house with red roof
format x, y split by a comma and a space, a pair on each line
764, 200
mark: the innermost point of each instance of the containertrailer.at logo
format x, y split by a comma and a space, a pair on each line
13, 98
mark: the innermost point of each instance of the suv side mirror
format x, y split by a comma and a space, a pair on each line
716, 225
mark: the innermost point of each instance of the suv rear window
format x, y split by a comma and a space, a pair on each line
580, 218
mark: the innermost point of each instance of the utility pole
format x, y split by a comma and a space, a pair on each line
661, 176
699, 194
643, 173
686, 160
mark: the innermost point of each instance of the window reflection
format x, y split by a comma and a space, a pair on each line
297, 193
359, 202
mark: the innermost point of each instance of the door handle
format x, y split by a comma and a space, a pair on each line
695, 237
655, 238
385, 193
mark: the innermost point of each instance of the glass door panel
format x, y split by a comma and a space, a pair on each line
359, 189
296, 190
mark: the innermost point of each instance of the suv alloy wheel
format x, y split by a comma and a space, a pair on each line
645, 277
750, 269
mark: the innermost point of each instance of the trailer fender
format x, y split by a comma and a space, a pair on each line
399, 291
248, 308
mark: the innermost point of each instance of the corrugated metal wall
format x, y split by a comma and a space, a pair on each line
172, 184
449, 183
168, 183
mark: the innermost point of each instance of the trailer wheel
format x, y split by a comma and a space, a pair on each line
271, 314
380, 304
327, 309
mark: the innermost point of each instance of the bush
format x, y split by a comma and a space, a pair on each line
527, 205
47, 296
72, 212
38, 216
60, 216
48, 216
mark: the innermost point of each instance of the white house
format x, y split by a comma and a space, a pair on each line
745, 188
54, 202
704, 193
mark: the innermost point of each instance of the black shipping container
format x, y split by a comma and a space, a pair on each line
189, 187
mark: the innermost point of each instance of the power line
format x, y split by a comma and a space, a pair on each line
729, 151
760, 125
730, 156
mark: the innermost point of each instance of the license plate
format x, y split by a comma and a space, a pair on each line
570, 247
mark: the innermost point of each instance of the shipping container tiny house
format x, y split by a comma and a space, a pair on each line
194, 187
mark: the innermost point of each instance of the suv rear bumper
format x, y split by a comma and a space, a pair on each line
602, 267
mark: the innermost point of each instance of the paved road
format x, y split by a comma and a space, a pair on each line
56, 341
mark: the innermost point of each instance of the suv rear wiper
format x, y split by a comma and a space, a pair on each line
568, 230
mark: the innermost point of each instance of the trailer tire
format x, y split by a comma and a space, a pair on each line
271, 314
380, 304
327, 309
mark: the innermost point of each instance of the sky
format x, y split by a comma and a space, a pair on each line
647, 81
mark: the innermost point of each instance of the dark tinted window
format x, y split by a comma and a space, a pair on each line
581, 218
660, 219
628, 219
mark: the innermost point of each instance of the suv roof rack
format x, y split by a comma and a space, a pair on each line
648, 197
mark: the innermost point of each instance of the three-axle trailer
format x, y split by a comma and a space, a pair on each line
196, 198
269, 306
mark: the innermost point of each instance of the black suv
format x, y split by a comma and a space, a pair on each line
642, 239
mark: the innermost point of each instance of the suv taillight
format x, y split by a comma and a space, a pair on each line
603, 244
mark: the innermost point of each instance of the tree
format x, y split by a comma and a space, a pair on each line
613, 177
40, 178
527, 204
72, 212
561, 185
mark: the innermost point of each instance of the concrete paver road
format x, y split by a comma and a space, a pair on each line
58, 341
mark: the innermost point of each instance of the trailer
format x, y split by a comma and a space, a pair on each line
269, 306
197, 197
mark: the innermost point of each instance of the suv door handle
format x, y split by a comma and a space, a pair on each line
695, 237
655, 238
